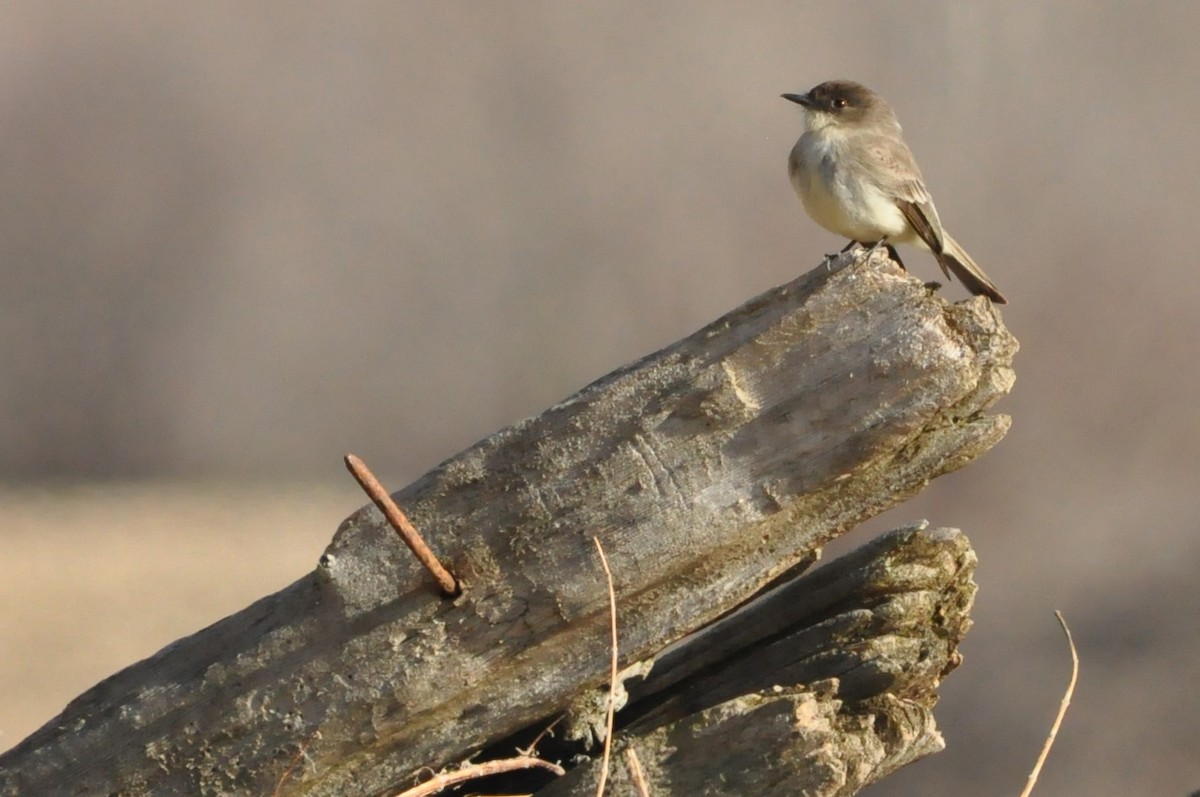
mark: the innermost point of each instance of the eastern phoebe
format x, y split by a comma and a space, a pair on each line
857, 178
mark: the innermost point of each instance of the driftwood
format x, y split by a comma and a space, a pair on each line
708, 470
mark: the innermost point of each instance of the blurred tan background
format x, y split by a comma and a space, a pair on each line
238, 240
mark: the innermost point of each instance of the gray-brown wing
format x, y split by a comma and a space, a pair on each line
896, 173
924, 219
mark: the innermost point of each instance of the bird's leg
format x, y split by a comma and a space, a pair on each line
849, 246
830, 258
891, 250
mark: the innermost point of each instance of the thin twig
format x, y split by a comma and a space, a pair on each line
1062, 709
480, 770
636, 774
532, 748
612, 677
399, 521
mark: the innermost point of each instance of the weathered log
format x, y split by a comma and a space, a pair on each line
707, 469
820, 687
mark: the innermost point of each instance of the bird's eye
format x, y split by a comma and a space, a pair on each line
839, 103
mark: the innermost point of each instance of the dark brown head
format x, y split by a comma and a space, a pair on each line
843, 102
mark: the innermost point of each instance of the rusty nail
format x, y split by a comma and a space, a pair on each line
400, 522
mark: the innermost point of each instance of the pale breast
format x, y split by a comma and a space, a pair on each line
837, 196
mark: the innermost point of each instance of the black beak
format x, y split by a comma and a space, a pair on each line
799, 99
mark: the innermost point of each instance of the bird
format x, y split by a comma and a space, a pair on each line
857, 178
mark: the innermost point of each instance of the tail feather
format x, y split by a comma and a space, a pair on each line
953, 258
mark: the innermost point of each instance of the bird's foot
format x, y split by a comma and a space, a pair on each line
933, 286
893, 255
831, 258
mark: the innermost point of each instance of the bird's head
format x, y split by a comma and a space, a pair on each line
842, 103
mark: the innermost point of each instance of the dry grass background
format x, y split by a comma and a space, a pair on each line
107, 574
238, 240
